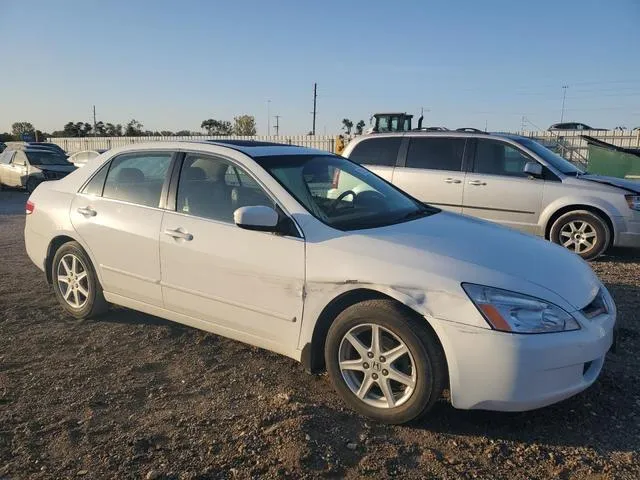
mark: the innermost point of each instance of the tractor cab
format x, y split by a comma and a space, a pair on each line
390, 122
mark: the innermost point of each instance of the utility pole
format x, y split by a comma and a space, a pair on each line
95, 134
268, 118
522, 124
277, 125
564, 95
315, 96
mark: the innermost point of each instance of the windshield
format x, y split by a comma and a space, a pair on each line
342, 194
46, 158
552, 158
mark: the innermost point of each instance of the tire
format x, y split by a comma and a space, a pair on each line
88, 296
582, 232
423, 364
32, 184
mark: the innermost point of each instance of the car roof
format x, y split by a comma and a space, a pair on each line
250, 148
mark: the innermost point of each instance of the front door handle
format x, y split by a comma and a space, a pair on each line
452, 180
179, 233
477, 182
87, 212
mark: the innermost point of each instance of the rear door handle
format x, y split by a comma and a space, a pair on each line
179, 233
87, 212
452, 180
477, 182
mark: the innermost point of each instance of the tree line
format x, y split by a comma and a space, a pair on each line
242, 125
347, 125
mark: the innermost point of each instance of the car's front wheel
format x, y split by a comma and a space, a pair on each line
75, 282
582, 232
384, 361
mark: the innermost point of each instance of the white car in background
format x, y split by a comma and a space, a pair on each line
80, 159
396, 299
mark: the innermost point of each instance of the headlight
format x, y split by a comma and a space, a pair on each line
633, 201
513, 312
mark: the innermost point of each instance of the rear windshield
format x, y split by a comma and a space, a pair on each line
46, 158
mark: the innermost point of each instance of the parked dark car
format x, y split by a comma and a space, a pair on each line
573, 126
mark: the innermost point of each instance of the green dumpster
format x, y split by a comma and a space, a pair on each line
614, 163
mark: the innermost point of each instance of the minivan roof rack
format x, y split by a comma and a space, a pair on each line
470, 130
431, 129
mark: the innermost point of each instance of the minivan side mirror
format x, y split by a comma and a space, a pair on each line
534, 169
258, 217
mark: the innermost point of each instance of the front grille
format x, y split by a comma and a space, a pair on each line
598, 306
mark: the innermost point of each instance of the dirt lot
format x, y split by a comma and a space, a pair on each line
132, 396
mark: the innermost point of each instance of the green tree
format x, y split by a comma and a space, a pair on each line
22, 128
133, 129
100, 129
111, 130
6, 137
347, 125
183, 133
360, 127
167, 133
244, 125
217, 127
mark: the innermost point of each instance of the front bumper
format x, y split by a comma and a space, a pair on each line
514, 372
628, 231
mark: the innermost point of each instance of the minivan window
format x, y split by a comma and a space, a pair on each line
498, 158
436, 153
340, 193
137, 178
555, 160
381, 151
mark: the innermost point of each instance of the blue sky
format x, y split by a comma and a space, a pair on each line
172, 64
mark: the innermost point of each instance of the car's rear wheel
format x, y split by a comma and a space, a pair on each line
32, 183
384, 361
583, 232
75, 282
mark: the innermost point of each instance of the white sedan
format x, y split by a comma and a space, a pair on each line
396, 299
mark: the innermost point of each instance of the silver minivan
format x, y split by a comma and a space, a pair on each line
508, 179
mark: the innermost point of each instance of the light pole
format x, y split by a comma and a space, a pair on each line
268, 118
564, 95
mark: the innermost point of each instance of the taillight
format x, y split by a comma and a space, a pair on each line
336, 178
30, 207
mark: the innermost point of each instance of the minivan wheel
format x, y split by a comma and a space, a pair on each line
384, 361
32, 183
75, 282
582, 232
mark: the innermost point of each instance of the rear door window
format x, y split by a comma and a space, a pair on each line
377, 151
436, 153
137, 178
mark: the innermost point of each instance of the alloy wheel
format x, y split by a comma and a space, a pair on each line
73, 280
578, 236
377, 366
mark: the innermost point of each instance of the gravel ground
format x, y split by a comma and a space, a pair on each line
133, 396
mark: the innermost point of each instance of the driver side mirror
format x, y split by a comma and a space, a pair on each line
533, 169
258, 217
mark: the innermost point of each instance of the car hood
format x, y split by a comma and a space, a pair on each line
630, 185
463, 249
56, 168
